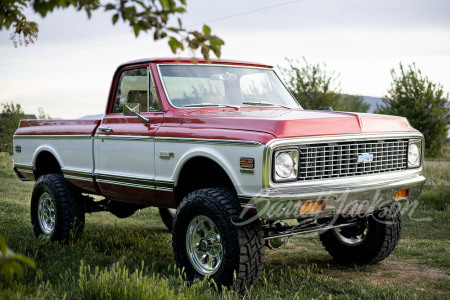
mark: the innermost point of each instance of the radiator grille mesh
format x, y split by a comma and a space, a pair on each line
318, 161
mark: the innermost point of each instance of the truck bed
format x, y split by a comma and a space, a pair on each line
69, 141
58, 127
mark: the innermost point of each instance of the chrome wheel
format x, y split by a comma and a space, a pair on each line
204, 245
47, 213
354, 235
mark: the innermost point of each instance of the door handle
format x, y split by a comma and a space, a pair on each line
105, 129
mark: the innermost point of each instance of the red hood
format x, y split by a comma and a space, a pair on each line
284, 123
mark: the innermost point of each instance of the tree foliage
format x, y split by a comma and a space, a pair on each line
354, 104
141, 15
422, 102
315, 88
10, 117
42, 115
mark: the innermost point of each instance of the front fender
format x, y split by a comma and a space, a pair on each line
226, 156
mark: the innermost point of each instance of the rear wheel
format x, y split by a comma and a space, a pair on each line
57, 212
208, 241
371, 241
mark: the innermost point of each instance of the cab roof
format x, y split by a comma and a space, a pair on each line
188, 60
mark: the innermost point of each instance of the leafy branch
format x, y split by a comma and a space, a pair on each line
10, 261
140, 15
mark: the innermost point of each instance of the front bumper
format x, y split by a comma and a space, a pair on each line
348, 197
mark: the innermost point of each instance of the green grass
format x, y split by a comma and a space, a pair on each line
132, 258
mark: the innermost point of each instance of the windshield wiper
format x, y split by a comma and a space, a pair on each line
264, 103
211, 105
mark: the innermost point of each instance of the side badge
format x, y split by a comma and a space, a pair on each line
166, 155
247, 165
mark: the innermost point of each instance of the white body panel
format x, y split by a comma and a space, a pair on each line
125, 156
134, 157
74, 153
225, 155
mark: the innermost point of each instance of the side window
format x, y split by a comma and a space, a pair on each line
132, 88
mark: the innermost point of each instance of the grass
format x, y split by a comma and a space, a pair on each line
132, 258
444, 155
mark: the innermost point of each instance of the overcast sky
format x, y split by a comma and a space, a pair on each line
69, 70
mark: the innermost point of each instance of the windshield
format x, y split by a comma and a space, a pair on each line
191, 86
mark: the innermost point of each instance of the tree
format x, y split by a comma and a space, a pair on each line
42, 115
9, 122
314, 87
141, 16
354, 103
422, 102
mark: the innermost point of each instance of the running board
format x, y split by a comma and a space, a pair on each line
296, 230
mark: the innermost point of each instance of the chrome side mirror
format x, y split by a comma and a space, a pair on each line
134, 109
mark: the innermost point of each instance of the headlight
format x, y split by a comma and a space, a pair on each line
286, 164
414, 154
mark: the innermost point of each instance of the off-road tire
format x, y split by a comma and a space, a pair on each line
68, 206
383, 235
167, 217
243, 245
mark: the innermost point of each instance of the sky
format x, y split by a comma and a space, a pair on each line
68, 71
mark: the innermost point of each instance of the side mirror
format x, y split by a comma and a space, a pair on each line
134, 109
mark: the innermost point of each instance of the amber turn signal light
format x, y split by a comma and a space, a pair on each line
311, 207
402, 194
247, 163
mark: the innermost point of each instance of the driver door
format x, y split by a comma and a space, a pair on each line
124, 145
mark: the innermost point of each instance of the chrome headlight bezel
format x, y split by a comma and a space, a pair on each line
289, 170
414, 156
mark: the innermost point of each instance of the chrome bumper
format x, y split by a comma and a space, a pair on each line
351, 197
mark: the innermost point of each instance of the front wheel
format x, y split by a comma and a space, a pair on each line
208, 241
57, 212
371, 241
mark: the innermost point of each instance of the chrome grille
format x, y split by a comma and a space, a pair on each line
329, 160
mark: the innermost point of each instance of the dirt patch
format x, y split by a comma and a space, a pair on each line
408, 273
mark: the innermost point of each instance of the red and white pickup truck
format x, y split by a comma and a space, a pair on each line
227, 154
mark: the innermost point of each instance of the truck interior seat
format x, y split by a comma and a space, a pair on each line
138, 97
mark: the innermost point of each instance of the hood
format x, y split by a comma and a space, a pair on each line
285, 123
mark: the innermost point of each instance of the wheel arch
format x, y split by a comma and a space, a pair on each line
203, 169
46, 161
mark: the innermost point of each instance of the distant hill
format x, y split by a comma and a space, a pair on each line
92, 117
373, 101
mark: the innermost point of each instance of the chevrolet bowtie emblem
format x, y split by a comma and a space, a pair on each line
365, 158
